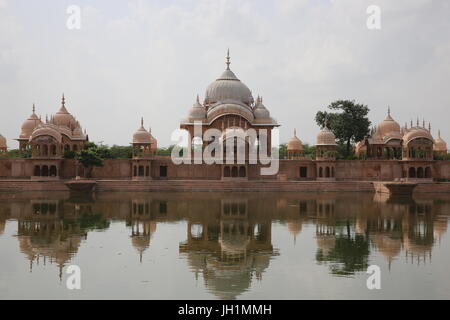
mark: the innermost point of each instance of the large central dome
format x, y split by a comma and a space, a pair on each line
228, 87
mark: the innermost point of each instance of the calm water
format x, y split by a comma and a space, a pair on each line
223, 246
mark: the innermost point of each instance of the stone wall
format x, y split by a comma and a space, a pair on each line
345, 170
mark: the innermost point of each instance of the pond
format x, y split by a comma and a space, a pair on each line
223, 245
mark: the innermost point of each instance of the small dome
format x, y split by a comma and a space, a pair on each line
2, 142
325, 137
142, 135
63, 117
439, 143
388, 126
197, 111
29, 125
294, 143
228, 87
260, 111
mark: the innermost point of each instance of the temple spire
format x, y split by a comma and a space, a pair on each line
439, 133
142, 122
34, 108
389, 111
228, 59
63, 100
198, 99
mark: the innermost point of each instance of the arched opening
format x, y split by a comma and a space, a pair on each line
234, 172
412, 172
37, 171
66, 147
134, 171
53, 171
53, 150
44, 171
226, 172
242, 171
327, 172
141, 171
75, 148
332, 172
428, 172
45, 150
147, 171
420, 173
320, 172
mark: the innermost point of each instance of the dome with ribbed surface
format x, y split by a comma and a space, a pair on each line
63, 117
197, 111
228, 88
417, 133
260, 111
325, 137
29, 125
439, 143
294, 143
142, 135
389, 127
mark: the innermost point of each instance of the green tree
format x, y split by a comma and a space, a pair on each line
89, 157
165, 151
349, 124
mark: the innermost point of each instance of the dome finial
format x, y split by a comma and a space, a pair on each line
198, 99
142, 122
423, 123
228, 59
63, 100
439, 133
417, 121
34, 108
429, 126
389, 110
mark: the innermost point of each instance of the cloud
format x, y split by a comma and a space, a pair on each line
139, 58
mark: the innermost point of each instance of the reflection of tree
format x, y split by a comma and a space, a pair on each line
350, 254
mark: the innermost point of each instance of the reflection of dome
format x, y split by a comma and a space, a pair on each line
389, 247
440, 226
29, 125
294, 227
55, 248
294, 143
440, 144
234, 243
325, 137
142, 135
389, 127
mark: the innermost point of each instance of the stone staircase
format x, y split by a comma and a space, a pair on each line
228, 186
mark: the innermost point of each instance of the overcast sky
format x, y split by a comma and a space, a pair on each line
151, 58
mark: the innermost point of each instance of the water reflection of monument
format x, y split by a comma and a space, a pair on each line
51, 231
229, 249
142, 225
229, 237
